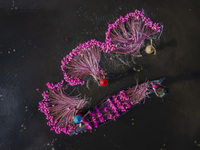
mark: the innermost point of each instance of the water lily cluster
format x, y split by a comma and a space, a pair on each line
125, 36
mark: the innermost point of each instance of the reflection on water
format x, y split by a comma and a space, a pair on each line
10, 113
33, 44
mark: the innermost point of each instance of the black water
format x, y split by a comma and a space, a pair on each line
36, 35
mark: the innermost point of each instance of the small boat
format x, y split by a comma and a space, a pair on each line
119, 104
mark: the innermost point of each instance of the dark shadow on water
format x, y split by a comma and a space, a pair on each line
183, 77
170, 44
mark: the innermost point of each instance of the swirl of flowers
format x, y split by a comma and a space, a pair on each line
126, 36
82, 61
60, 108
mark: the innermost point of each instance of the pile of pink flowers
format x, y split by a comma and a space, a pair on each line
125, 36
60, 108
116, 105
82, 61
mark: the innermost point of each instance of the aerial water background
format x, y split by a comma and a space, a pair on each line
36, 35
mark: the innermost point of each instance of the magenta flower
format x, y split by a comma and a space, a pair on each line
60, 108
127, 34
82, 61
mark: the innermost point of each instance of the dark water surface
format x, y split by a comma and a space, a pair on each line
36, 35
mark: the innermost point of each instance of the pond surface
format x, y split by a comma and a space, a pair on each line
36, 35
